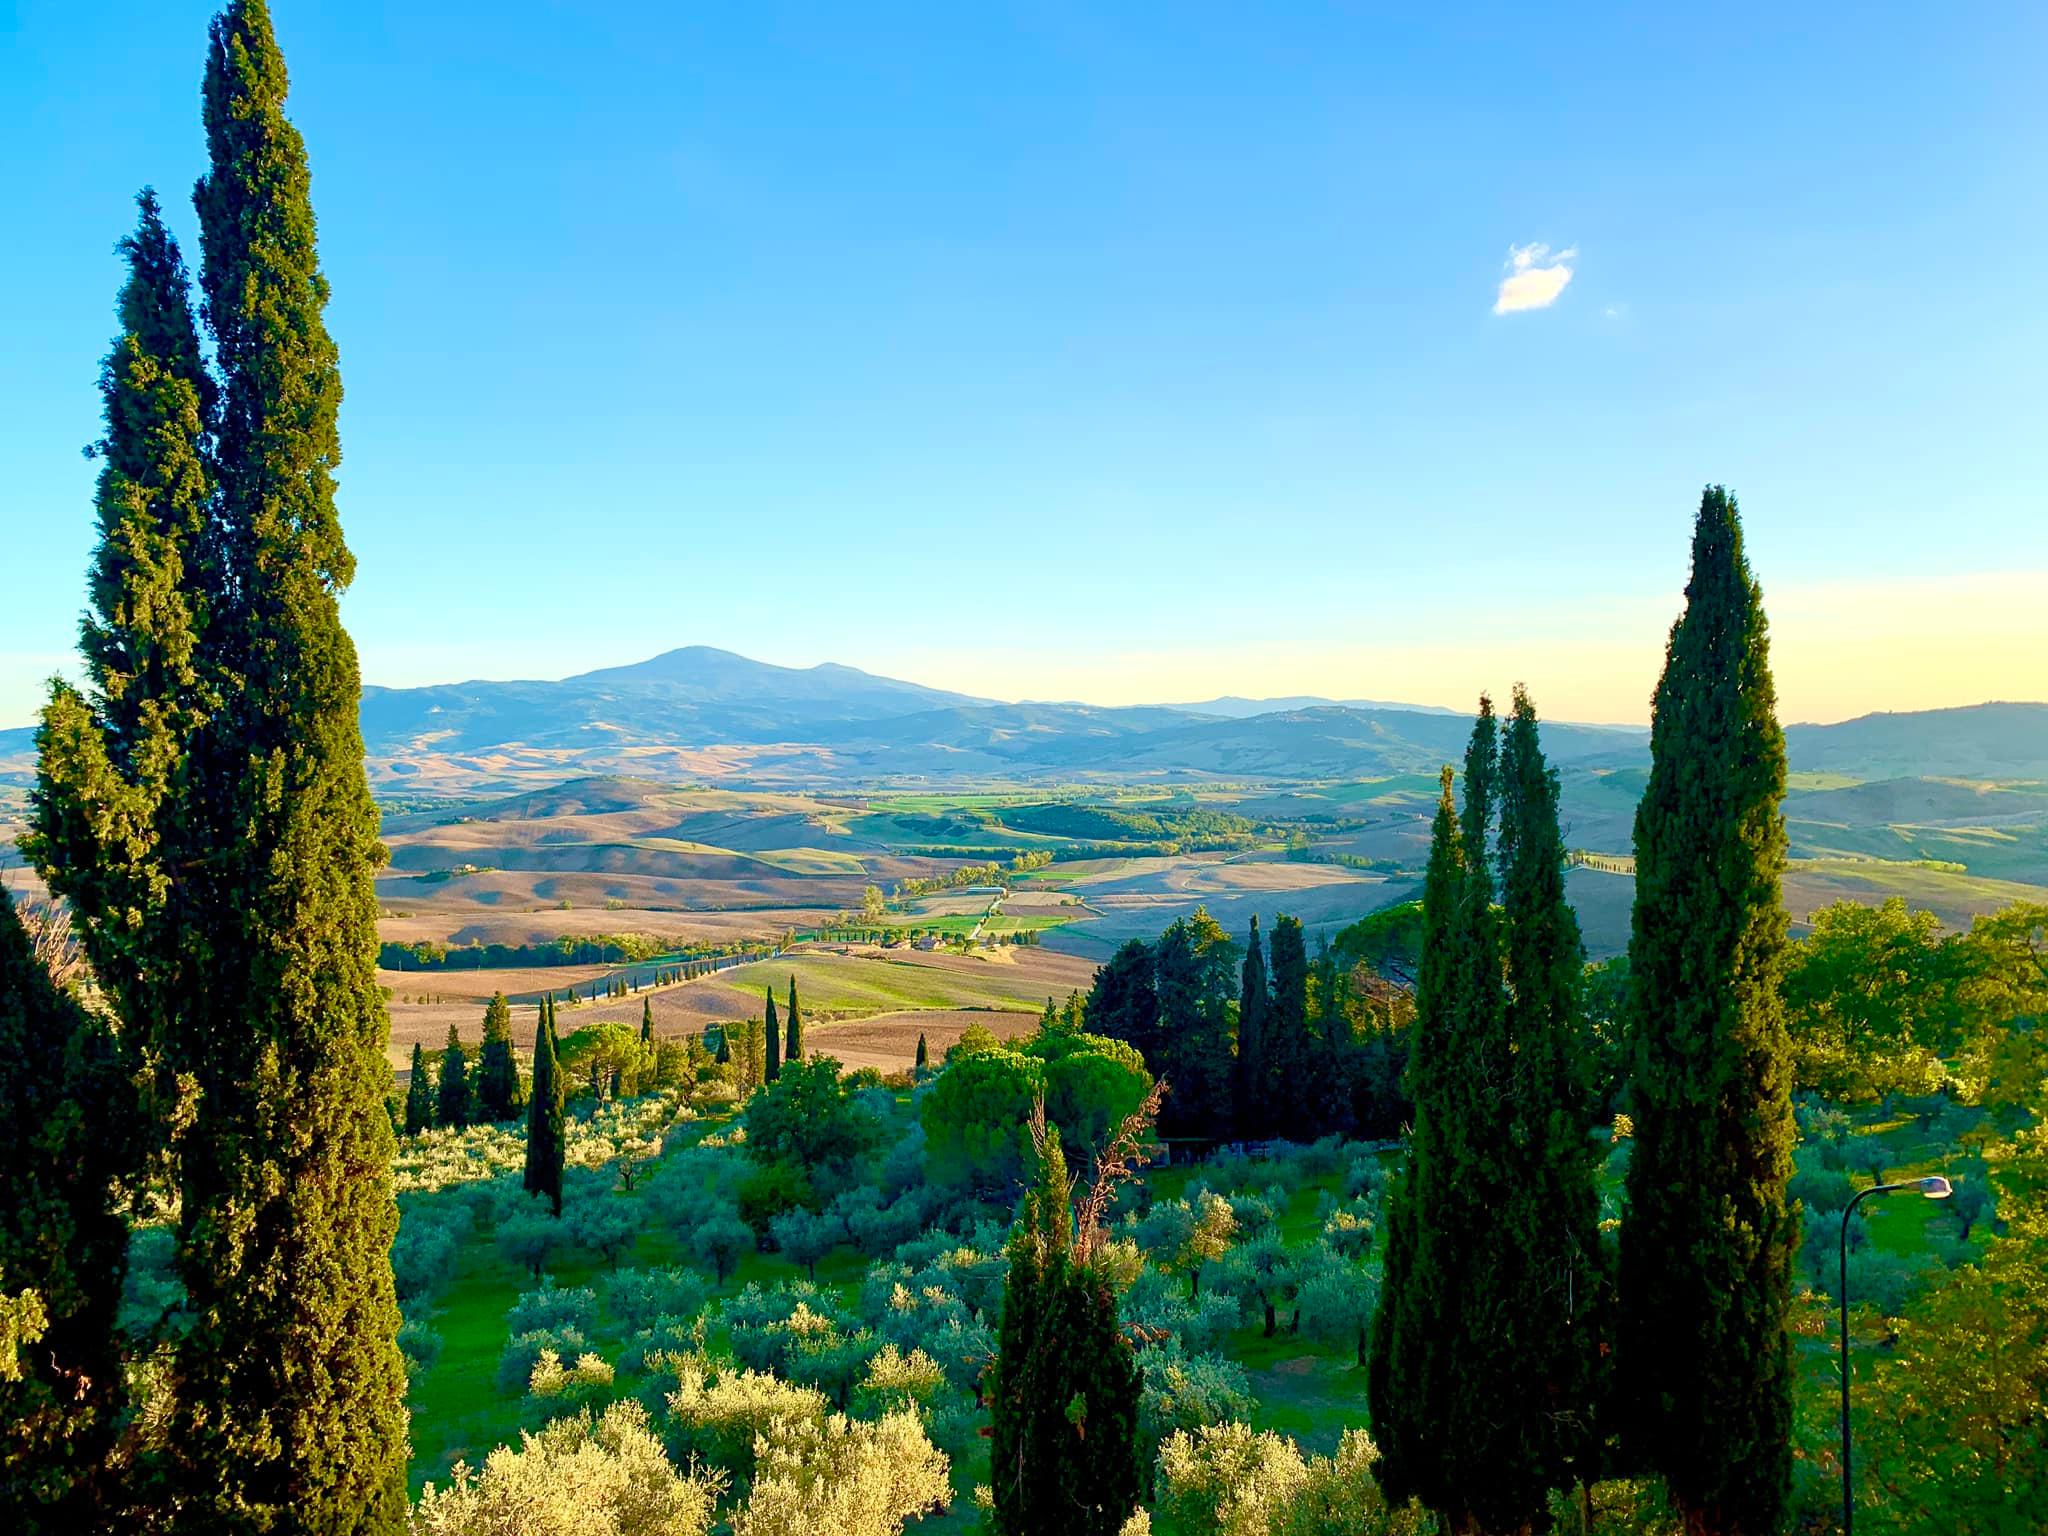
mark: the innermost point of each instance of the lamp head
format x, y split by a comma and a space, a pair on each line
1935, 1187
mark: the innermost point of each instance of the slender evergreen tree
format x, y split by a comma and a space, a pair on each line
1404, 1379
68, 1125
924, 1057
1251, 1085
647, 1021
1290, 1073
452, 1103
1064, 1405
1547, 1280
546, 1133
1706, 1241
419, 1095
771, 1037
723, 1056
1448, 1358
793, 1047
496, 1088
287, 1389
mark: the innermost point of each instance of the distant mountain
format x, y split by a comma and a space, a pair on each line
715, 717
1981, 741
695, 695
1233, 707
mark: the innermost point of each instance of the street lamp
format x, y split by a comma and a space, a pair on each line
1934, 1187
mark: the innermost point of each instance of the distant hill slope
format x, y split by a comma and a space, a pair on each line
709, 715
1981, 741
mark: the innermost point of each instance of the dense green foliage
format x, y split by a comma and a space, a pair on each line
67, 1128
497, 1095
1706, 1245
1064, 1403
546, 1139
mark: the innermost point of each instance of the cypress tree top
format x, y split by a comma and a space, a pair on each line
771, 1035
795, 1044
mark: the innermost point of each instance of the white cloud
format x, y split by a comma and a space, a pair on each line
1535, 277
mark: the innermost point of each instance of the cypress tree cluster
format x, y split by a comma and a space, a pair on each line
67, 1122
1706, 1243
1483, 1371
202, 804
794, 1046
1064, 1404
496, 1090
771, 1033
547, 1139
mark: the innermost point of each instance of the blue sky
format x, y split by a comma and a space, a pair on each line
1110, 352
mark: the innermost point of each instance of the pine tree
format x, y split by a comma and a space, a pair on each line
495, 1095
924, 1058
419, 1095
451, 1104
1706, 1242
793, 1049
771, 1035
68, 1128
1250, 1085
1549, 1294
546, 1134
288, 1389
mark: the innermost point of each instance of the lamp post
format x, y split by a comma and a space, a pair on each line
1934, 1187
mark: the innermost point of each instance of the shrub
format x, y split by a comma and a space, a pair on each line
1185, 1392
637, 1299
523, 1351
846, 1477
423, 1257
607, 1477
551, 1307
530, 1236
606, 1226
421, 1346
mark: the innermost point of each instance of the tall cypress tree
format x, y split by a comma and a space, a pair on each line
924, 1055
419, 1094
1064, 1406
451, 1105
793, 1049
647, 1021
1291, 1078
67, 1141
771, 1036
1446, 1364
496, 1092
1250, 1085
287, 1389
1545, 1285
546, 1133
1706, 1244
1404, 1379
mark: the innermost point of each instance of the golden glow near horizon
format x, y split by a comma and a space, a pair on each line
1838, 650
